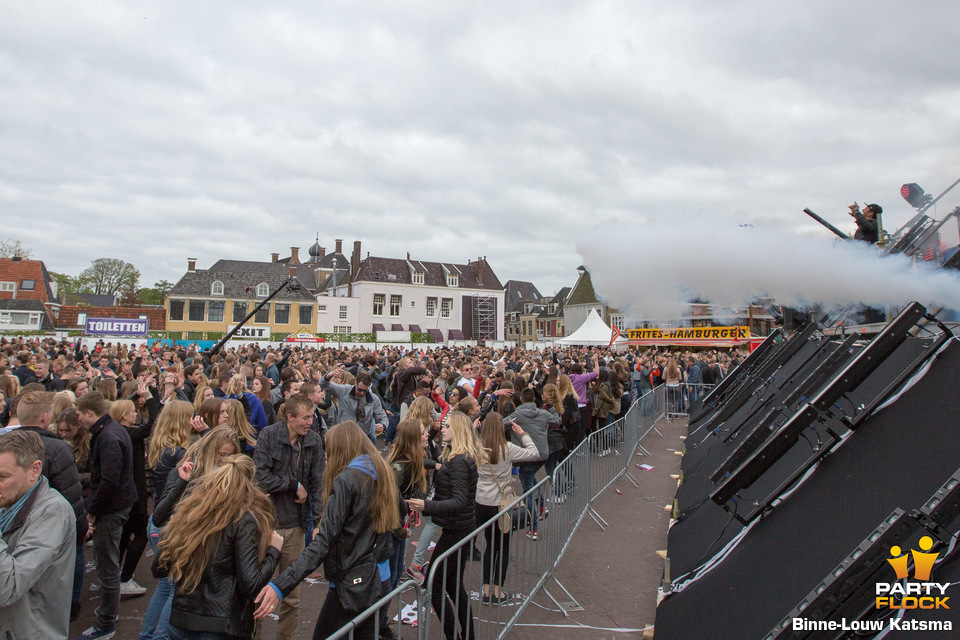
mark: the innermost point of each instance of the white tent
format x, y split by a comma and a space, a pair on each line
593, 331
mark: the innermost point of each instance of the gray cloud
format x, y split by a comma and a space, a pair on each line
153, 131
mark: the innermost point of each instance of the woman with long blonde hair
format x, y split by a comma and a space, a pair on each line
203, 456
360, 508
220, 546
171, 437
237, 420
452, 508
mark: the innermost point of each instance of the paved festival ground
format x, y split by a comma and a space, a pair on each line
614, 574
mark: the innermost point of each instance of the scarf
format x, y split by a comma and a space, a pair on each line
7, 516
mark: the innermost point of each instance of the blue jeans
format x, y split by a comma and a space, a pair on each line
78, 570
156, 623
528, 478
427, 533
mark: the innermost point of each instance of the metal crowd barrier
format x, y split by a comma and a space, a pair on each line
523, 565
408, 596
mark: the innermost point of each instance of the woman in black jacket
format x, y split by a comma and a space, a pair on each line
360, 509
220, 548
453, 509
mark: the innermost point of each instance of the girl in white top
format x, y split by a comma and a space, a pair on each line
491, 478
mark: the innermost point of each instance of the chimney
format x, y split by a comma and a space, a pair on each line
323, 252
339, 248
191, 265
16, 259
294, 255
481, 266
408, 256
293, 270
355, 258
274, 257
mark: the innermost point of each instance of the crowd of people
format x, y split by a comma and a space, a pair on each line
249, 470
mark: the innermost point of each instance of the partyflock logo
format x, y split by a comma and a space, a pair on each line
918, 593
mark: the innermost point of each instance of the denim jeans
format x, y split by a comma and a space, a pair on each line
156, 623
426, 537
528, 478
78, 569
106, 554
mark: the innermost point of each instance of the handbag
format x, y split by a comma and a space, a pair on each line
359, 588
507, 495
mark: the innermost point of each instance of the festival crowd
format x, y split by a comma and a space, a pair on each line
250, 470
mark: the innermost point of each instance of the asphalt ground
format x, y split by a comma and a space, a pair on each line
613, 573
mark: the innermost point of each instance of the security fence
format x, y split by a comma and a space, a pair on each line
480, 584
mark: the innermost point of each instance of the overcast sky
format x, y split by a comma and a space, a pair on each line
157, 131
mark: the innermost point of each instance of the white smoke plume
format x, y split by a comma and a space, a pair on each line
653, 270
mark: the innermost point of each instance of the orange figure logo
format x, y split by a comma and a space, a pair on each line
922, 562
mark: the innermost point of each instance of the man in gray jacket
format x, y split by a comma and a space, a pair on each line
357, 402
37, 544
535, 422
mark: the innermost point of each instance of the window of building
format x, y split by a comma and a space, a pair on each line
239, 311
306, 314
281, 313
395, 302
263, 290
418, 277
343, 312
378, 300
198, 309
35, 319
216, 289
28, 285
263, 315
215, 310
446, 306
176, 310
321, 308
5, 317
82, 318
8, 286
431, 307
617, 321
342, 329
453, 280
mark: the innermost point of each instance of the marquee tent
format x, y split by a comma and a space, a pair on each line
594, 331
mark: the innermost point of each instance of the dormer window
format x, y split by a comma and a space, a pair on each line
418, 277
216, 289
453, 280
263, 290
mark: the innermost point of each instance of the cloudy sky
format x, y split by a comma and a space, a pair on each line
154, 131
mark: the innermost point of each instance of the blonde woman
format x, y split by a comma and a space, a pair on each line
452, 508
237, 420
171, 437
237, 390
220, 547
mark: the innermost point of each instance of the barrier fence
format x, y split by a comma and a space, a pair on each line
512, 563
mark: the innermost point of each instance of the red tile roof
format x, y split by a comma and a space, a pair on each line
17, 271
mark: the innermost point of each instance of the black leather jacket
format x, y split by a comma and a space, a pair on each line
346, 538
452, 507
223, 601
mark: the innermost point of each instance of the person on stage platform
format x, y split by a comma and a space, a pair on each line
868, 227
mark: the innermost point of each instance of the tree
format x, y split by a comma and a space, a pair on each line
11, 248
65, 283
155, 294
109, 276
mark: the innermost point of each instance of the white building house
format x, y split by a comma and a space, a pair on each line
394, 297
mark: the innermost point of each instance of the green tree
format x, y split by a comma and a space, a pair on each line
109, 276
65, 283
155, 294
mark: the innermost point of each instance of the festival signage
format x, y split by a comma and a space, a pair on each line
116, 327
302, 335
691, 336
250, 333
